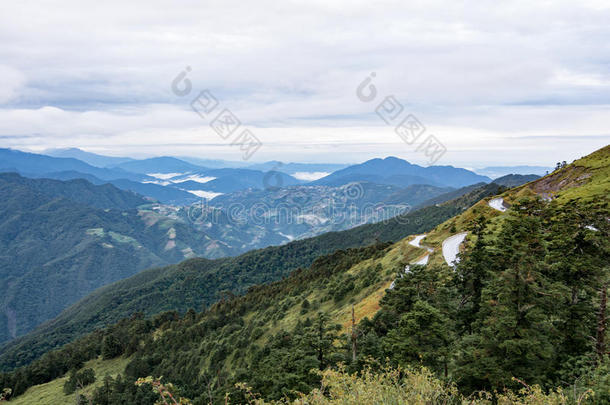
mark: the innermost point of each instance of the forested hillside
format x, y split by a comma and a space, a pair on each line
198, 283
524, 307
62, 240
80, 191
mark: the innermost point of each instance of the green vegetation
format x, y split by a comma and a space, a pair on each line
52, 393
56, 249
518, 310
522, 319
79, 380
198, 283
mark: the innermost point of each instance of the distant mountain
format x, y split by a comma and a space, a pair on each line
292, 168
450, 195
230, 180
164, 164
297, 212
215, 163
337, 179
498, 171
225, 180
22, 162
398, 172
76, 236
506, 181
514, 180
81, 191
133, 175
163, 194
91, 158
416, 194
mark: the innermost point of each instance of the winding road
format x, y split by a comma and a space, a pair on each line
451, 245
451, 248
497, 204
422, 262
416, 240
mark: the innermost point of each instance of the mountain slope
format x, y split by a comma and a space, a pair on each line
521, 304
199, 282
91, 158
399, 172
417, 194
514, 180
16, 161
163, 194
61, 240
80, 191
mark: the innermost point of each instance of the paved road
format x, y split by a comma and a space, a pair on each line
423, 261
451, 247
497, 204
416, 240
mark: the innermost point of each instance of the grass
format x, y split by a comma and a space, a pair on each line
52, 393
594, 184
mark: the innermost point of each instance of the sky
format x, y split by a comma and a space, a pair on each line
495, 83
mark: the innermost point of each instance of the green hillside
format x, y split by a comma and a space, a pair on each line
525, 307
62, 240
197, 283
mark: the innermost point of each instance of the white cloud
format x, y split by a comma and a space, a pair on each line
11, 82
309, 176
481, 76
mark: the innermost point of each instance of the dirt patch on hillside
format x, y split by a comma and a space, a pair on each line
569, 177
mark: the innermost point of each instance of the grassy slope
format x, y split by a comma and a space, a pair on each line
365, 301
52, 393
591, 182
198, 282
587, 178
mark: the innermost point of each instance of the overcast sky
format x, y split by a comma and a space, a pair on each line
515, 82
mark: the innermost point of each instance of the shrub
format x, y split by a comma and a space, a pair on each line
79, 379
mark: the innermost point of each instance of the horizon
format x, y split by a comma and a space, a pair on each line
237, 164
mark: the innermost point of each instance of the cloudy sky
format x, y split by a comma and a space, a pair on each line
515, 82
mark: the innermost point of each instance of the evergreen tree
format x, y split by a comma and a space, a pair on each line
320, 337
423, 336
472, 273
514, 334
111, 347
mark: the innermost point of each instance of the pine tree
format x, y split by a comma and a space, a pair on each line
423, 336
472, 273
320, 337
514, 334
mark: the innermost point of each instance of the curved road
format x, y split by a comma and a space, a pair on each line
497, 204
416, 240
423, 261
451, 247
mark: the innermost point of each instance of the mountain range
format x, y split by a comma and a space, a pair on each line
398, 172
94, 225
200, 282
461, 286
